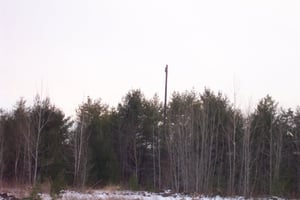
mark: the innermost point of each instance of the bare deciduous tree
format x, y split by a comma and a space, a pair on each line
40, 118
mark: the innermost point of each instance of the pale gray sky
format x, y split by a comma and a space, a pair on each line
104, 48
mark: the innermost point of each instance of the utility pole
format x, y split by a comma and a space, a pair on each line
166, 90
165, 128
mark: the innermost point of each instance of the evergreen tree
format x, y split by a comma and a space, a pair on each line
95, 158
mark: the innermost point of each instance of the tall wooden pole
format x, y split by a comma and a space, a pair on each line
166, 90
165, 128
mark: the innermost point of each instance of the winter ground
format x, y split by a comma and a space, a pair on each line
130, 195
124, 195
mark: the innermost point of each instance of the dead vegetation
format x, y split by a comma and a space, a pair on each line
17, 190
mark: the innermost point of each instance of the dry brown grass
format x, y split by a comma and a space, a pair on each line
111, 188
22, 190
45, 187
17, 190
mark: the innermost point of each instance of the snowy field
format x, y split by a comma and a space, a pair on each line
126, 195
119, 195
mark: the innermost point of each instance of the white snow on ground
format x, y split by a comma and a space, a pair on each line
129, 195
124, 195
45, 196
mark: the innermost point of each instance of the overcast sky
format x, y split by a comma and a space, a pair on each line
103, 48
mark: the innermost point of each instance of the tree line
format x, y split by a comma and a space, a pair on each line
204, 144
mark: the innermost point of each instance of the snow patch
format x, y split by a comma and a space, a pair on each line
44, 196
129, 195
124, 195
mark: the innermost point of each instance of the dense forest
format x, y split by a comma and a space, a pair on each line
204, 144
